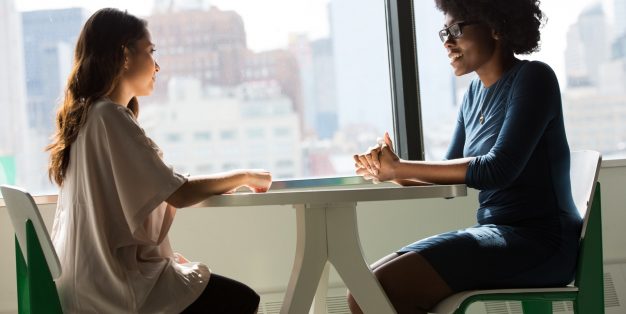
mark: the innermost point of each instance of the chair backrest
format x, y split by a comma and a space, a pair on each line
22, 208
584, 171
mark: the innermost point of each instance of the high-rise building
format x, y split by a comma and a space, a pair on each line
207, 45
252, 125
210, 46
619, 7
49, 41
12, 94
325, 90
360, 51
281, 66
317, 80
300, 47
618, 48
587, 47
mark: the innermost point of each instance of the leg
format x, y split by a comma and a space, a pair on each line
354, 307
384, 260
411, 283
225, 296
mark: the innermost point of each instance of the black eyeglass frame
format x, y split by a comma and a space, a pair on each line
454, 31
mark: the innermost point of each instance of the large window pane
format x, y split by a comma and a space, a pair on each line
293, 86
586, 47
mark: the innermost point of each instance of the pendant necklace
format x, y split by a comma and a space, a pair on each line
487, 98
482, 116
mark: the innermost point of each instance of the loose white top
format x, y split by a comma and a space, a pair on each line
111, 224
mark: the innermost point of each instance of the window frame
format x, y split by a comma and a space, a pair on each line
404, 72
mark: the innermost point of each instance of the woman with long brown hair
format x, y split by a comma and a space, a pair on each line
117, 198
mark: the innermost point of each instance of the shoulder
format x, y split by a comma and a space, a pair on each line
107, 108
105, 112
536, 71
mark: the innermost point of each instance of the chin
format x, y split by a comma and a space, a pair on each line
460, 71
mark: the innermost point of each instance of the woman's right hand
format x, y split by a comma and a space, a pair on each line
258, 180
370, 160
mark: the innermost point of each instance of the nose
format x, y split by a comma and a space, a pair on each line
449, 43
157, 67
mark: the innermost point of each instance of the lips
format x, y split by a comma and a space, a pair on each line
454, 56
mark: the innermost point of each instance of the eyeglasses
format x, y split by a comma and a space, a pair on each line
454, 31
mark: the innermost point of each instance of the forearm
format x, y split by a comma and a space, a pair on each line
436, 172
410, 182
198, 188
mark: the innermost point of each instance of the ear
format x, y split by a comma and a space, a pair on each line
127, 55
495, 35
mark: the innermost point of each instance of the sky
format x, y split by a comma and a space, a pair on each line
265, 21
268, 31
268, 23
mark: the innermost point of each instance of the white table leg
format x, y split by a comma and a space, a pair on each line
344, 252
319, 302
310, 259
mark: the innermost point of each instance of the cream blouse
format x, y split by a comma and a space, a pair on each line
111, 224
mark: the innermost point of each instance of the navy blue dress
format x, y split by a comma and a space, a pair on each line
528, 226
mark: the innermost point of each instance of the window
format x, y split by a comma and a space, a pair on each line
312, 75
202, 136
586, 47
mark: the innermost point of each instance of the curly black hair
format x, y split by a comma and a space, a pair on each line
516, 21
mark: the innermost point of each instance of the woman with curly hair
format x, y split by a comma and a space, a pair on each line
510, 144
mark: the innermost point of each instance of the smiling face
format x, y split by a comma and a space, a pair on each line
473, 49
141, 67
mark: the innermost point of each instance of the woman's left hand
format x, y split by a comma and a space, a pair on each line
389, 161
385, 161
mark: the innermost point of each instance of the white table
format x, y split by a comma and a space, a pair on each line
327, 232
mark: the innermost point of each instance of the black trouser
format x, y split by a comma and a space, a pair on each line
225, 296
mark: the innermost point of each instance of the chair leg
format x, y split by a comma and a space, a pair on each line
23, 295
590, 279
537, 307
42, 291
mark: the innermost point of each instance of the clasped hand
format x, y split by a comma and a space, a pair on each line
379, 163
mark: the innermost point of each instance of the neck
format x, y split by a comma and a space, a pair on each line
493, 69
121, 95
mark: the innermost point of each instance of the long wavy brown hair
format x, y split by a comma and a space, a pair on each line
98, 66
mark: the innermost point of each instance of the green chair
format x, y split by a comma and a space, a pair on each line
587, 290
36, 260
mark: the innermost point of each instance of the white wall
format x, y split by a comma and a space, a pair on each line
256, 244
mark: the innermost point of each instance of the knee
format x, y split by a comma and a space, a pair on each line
406, 298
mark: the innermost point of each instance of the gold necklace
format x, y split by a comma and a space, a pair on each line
481, 119
490, 93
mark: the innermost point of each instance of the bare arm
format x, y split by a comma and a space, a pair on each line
437, 172
198, 188
409, 182
380, 163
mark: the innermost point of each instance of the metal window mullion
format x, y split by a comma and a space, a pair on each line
404, 79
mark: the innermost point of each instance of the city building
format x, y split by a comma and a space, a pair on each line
12, 95
211, 129
49, 41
